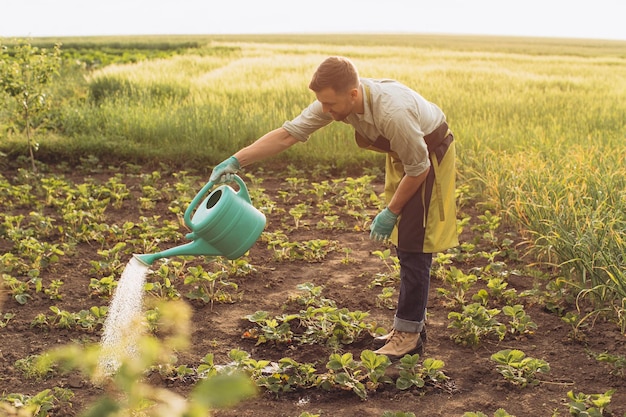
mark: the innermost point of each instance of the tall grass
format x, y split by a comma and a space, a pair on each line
540, 124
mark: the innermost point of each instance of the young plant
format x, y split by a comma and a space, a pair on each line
520, 322
519, 369
208, 286
589, 405
375, 367
410, 375
346, 373
414, 375
617, 362
269, 329
499, 413
25, 73
460, 283
287, 375
44, 403
474, 323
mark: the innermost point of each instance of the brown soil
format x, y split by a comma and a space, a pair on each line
474, 385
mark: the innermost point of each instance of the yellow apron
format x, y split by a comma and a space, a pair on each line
427, 223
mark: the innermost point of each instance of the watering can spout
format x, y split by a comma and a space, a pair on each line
196, 248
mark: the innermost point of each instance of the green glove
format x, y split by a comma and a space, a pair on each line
224, 171
383, 224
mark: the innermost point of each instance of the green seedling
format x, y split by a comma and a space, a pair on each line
499, 413
386, 298
31, 368
520, 322
53, 290
375, 367
474, 323
346, 373
617, 362
490, 223
19, 289
287, 375
460, 283
102, 287
42, 404
410, 375
312, 296
298, 212
589, 405
497, 288
398, 414
6, 318
270, 329
414, 375
519, 369
209, 287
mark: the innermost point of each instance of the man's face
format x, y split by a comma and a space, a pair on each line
338, 105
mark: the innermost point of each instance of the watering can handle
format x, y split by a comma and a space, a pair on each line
243, 190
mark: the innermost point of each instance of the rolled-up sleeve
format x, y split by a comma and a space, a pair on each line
311, 119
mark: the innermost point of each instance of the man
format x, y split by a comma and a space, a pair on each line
420, 217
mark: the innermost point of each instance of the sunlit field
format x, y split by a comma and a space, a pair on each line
540, 132
540, 129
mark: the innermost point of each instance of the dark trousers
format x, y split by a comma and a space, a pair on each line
414, 285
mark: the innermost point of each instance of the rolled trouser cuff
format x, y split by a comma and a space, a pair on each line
408, 326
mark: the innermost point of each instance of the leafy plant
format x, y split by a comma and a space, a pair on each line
42, 404
499, 413
287, 375
25, 73
519, 369
520, 322
208, 286
460, 283
412, 374
617, 362
474, 323
589, 405
347, 374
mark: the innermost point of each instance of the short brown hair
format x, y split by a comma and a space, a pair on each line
336, 72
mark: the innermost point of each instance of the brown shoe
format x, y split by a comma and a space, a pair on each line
381, 341
400, 344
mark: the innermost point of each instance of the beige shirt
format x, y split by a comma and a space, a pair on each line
393, 111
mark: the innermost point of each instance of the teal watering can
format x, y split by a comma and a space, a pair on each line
225, 224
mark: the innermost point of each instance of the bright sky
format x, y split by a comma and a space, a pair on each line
598, 19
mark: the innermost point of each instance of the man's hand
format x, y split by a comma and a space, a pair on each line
224, 171
383, 224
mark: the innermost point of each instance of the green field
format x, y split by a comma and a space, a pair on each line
540, 123
540, 126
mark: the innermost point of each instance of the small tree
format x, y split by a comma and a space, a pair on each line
25, 72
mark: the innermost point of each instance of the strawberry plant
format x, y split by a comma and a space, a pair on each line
412, 374
617, 362
41, 404
519, 369
208, 286
499, 413
474, 323
287, 375
346, 373
589, 405
520, 322
460, 283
